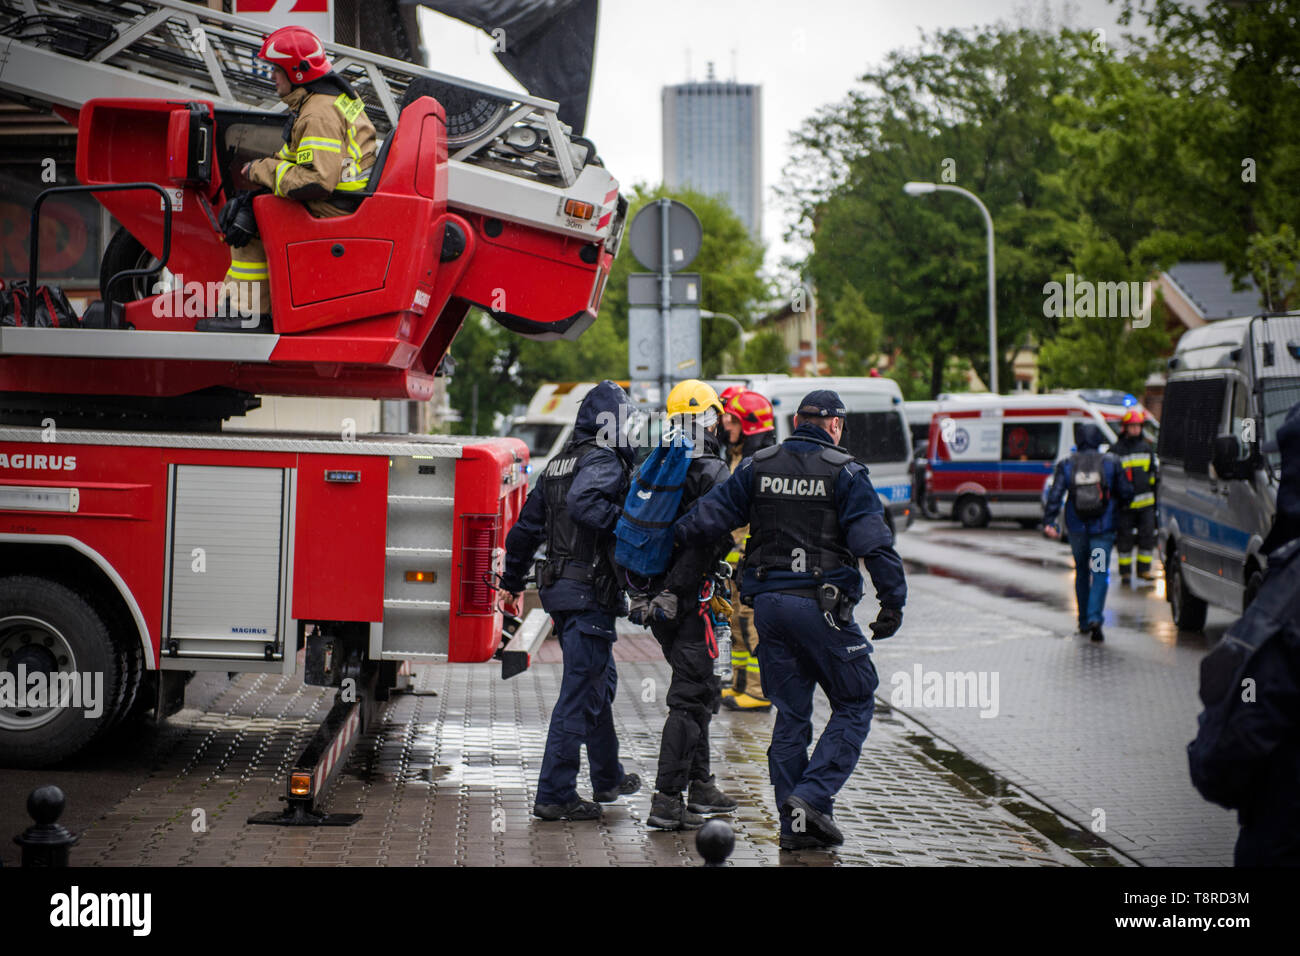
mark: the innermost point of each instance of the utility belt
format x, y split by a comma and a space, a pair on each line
833, 601
605, 585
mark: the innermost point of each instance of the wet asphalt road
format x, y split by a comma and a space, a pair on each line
1081, 743
1096, 731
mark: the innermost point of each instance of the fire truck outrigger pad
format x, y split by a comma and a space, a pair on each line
516, 219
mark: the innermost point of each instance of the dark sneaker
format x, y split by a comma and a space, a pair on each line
804, 841
705, 797
577, 810
631, 784
1094, 632
669, 813
818, 824
234, 323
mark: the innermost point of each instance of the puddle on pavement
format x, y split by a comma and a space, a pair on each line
1084, 846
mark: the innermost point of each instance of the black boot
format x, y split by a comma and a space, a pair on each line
631, 784
705, 797
815, 823
668, 812
577, 810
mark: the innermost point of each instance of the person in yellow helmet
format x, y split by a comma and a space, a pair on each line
674, 614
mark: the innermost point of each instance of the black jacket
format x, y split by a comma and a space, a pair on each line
1246, 755
690, 564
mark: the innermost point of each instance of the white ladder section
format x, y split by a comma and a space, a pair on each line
65, 52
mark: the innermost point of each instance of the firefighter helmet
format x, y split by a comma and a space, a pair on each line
754, 412
729, 392
692, 397
1134, 416
298, 52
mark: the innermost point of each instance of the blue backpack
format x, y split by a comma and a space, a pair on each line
645, 531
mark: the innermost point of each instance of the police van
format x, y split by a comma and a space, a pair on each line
875, 432
1230, 386
990, 455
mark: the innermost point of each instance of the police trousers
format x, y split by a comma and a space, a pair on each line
799, 651
583, 714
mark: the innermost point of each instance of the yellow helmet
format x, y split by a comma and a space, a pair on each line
692, 397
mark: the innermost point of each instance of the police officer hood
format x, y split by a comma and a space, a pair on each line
608, 416
1090, 438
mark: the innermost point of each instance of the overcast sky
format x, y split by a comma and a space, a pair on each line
804, 54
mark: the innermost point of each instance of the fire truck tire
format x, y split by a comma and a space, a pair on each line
125, 251
47, 625
132, 672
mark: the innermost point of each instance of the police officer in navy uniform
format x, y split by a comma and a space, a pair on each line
812, 514
573, 508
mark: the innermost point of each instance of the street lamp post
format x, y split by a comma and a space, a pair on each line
924, 189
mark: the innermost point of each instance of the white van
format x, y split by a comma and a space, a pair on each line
990, 455
876, 430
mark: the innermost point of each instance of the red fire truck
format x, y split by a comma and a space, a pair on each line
141, 544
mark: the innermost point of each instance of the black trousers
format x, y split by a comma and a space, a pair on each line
1135, 524
684, 750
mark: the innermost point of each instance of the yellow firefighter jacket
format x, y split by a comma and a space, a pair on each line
329, 153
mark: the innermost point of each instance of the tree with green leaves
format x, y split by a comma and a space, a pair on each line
972, 108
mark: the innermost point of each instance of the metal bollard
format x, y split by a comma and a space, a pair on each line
715, 841
46, 843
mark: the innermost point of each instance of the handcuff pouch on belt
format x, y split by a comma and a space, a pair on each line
835, 605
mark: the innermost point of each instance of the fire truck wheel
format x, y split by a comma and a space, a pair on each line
124, 251
48, 629
132, 660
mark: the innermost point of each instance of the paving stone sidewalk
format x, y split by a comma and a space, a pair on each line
448, 776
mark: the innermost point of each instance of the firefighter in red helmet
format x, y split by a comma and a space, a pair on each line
325, 163
750, 424
1137, 520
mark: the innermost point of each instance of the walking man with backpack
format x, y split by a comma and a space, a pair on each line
674, 590
1093, 486
573, 509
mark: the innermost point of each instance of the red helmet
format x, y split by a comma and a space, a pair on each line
753, 410
730, 392
1135, 415
298, 51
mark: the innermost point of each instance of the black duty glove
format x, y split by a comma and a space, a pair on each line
887, 623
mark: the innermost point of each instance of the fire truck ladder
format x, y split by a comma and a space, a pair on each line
510, 156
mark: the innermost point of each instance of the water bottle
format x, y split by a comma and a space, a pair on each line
722, 665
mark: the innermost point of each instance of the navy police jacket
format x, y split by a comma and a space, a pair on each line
861, 521
594, 501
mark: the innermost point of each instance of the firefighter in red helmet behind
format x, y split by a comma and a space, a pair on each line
330, 146
1136, 522
750, 424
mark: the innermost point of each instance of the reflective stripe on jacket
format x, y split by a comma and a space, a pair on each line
331, 149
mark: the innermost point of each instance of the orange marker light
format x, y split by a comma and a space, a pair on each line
300, 785
579, 210
425, 577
